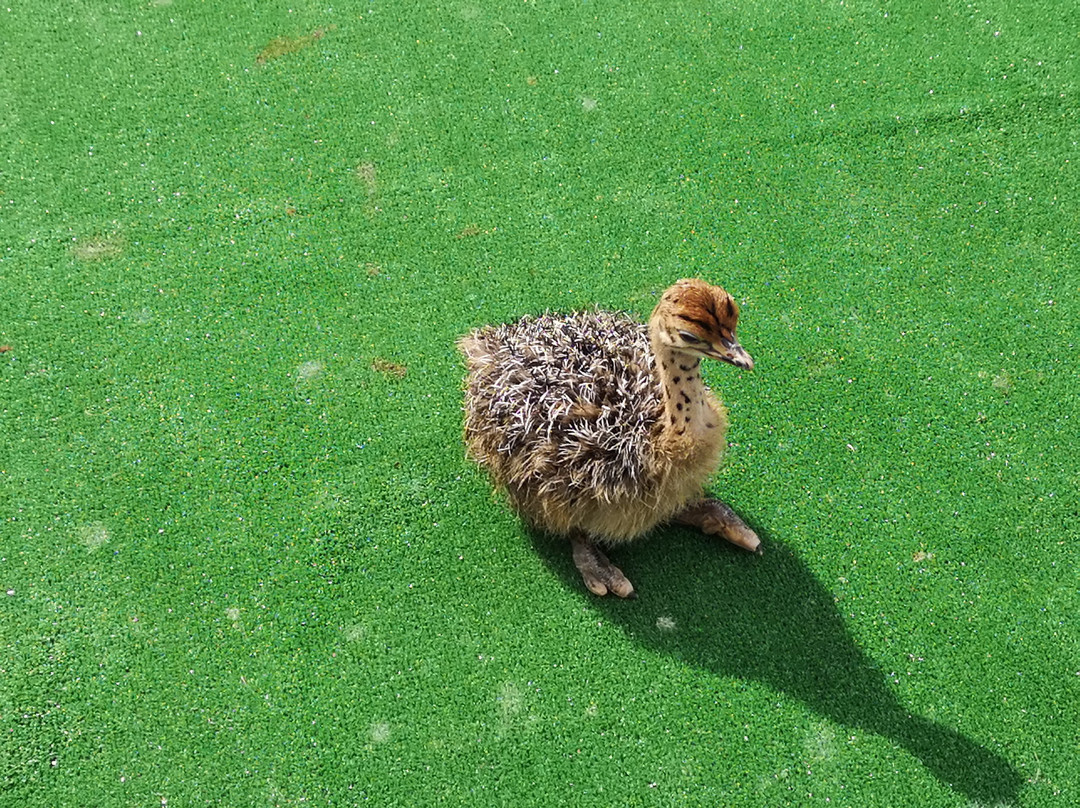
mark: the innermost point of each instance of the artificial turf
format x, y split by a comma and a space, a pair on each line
245, 559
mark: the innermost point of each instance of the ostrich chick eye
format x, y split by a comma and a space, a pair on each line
688, 337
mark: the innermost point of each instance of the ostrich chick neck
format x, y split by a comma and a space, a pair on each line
690, 413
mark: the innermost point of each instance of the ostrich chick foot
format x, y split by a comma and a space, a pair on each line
599, 574
713, 517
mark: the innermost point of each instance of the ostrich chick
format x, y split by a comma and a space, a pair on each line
600, 428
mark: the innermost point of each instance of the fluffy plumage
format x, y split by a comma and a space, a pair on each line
564, 404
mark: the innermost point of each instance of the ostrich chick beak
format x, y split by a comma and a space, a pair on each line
733, 353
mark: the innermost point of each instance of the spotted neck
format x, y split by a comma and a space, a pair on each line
688, 408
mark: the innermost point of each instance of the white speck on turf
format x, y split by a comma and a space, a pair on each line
309, 370
380, 732
92, 535
510, 699
355, 632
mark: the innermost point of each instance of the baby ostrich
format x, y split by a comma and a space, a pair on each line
599, 428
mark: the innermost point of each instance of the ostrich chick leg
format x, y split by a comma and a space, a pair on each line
713, 517
599, 574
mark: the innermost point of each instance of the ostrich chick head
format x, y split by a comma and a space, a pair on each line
698, 319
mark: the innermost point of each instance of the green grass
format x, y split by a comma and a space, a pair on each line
246, 561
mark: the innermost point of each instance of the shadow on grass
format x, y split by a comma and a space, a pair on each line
767, 619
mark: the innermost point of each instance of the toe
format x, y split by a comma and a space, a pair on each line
744, 537
598, 573
615, 581
595, 585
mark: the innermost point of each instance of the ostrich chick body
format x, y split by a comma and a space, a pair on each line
600, 428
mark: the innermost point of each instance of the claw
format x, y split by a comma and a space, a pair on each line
713, 517
598, 573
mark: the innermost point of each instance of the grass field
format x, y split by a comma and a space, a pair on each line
245, 559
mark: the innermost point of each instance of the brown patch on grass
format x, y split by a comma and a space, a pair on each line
474, 230
284, 45
395, 370
367, 175
365, 172
98, 249
373, 269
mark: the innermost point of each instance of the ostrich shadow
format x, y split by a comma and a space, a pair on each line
768, 619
